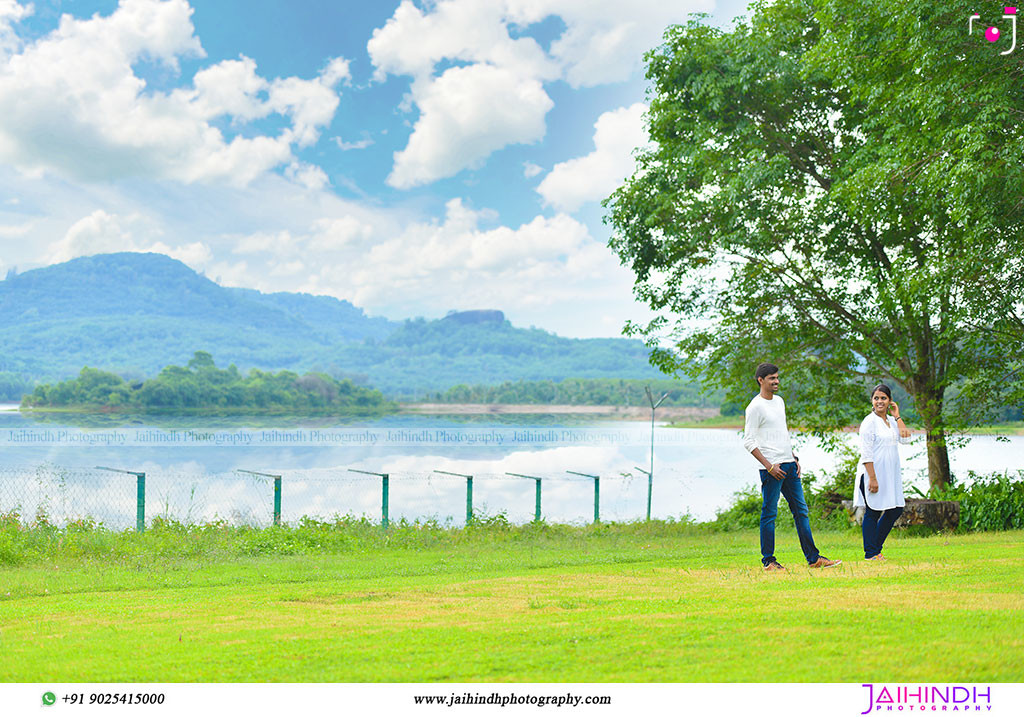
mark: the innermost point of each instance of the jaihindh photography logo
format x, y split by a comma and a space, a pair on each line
928, 698
994, 34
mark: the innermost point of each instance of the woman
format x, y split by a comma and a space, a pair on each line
879, 486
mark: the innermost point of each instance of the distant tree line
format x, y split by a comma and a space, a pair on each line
421, 358
200, 385
13, 386
582, 392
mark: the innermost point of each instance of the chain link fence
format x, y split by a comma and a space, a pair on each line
60, 495
121, 499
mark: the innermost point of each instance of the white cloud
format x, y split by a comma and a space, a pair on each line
337, 70
305, 175
333, 234
309, 103
346, 146
290, 268
617, 135
429, 267
10, 13
275, 236
403, 266
262, 243
103, 233
458, 245
603, 42
12, 231
413, 43
231, 274
531, 170
98, 233
74, 105
324, 235
197, 255
493, 98
465, 115
230, 87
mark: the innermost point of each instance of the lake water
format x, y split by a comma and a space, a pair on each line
193, 466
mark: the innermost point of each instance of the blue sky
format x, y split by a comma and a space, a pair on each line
412, 158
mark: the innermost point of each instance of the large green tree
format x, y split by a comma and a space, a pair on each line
835, 186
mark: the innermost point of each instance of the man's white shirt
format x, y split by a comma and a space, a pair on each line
766, 429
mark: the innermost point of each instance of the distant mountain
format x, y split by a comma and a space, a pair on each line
422, 357
136, 313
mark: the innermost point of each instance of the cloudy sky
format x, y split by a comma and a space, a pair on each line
411, 157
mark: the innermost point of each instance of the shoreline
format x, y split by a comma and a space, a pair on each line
634, 413
667, 416
736, 423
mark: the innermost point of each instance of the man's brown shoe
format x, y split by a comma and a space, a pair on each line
773, 565
823, 562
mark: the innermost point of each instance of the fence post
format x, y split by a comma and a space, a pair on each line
277, 500
536, 510
140, 495
536, 506
650, 486
140, 502
469, 492
597, 493
277, 491
383, 493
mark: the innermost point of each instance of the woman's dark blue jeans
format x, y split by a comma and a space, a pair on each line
876, 525
790, 488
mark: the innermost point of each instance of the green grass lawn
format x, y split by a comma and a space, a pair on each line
636, 603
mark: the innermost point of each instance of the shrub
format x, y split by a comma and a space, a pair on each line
992, 502
745, 511
825, 491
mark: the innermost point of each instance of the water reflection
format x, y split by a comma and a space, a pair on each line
696, 471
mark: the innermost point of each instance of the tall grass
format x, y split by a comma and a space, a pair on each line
40, 541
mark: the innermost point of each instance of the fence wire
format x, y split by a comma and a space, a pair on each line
59, 495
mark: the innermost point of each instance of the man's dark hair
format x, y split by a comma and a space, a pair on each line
764, 370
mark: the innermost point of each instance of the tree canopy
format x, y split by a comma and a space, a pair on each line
202, 386
835, 186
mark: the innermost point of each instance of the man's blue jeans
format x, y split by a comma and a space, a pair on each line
791, 488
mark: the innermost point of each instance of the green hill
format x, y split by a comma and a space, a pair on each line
133, 314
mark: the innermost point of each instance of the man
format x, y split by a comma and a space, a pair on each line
766, 436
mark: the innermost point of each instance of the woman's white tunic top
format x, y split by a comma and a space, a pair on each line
878, 445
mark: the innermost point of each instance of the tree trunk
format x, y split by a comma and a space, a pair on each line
929, 406
938, 459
